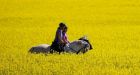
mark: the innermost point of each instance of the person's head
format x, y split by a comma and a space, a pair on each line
65, 29
62, 26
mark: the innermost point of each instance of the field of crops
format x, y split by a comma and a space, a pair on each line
113, 28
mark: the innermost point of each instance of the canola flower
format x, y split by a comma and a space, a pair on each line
111, 26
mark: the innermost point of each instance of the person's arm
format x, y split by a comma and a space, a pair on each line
66, 39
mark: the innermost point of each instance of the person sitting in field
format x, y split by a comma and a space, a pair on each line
58, 43
65, 39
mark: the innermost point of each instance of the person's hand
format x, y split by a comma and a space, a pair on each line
62, 41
